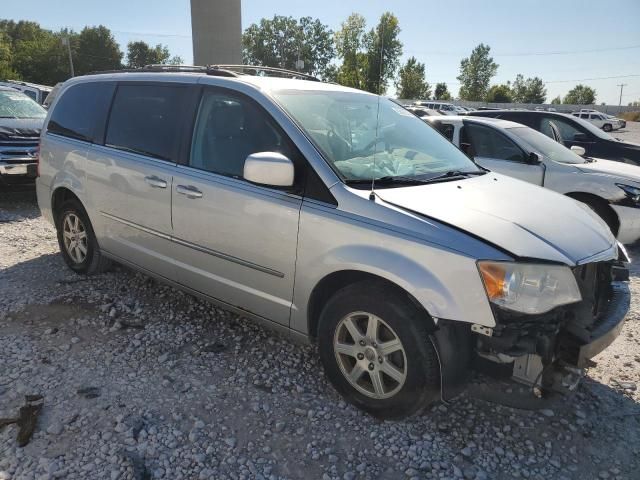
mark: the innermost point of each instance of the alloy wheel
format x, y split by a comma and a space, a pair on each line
74, 235
370, 355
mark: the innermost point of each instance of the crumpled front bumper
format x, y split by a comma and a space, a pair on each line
609, 327
18, 168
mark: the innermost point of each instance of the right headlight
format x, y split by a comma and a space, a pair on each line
528, 287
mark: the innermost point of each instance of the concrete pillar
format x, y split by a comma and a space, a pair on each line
216, 31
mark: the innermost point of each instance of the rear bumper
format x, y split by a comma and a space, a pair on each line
43, 192
609, 327
629, 217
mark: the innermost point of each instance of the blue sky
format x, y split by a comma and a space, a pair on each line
438, 33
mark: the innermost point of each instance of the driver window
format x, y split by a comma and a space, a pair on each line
227, 130
489, 143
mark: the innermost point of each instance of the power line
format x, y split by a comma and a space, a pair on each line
529, 54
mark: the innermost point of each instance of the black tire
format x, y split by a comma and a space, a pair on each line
604, 212
607, 127
93, 262
421, 386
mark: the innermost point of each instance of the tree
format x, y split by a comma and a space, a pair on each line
411, 81
442, 92
531, 90
348, 47
476, 72
141, 53
282, 41
499, 94
635, 103
580, 95
556, 101
384, 50
94, 50
6, 58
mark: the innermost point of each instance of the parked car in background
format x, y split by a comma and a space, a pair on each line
573, 131
37, 92
621, 121
611, 189
52, 95
236, 187
21, 121
423, 111
442, 107
600, 120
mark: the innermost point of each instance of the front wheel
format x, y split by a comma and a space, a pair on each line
375, 348
607, 128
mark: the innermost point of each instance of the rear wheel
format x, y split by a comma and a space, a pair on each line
77, 241
375, 348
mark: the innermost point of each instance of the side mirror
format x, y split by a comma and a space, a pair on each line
269, 168
580, 137
533, 159
578, 150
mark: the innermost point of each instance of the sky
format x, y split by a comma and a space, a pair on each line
603, 38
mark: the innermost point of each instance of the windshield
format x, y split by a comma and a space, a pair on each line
361, 144
18, 105
546, 146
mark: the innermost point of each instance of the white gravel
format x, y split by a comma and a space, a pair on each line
142, 381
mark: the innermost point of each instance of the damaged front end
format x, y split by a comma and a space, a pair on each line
550, 351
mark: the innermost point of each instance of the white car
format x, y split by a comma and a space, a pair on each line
442, 107
35, 91
611, 189
600, 120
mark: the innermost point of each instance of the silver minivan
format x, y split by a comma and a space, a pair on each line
335, 216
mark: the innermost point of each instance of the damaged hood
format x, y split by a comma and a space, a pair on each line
12, 129
523, 219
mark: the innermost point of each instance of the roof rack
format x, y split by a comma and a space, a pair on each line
216, 70
261, 70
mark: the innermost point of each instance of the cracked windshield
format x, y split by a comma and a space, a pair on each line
363, 138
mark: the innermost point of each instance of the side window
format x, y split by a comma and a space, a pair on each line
584, 115
81, 111
145, 119
567, 130
446, 129
489, 143
228, 129
31, 94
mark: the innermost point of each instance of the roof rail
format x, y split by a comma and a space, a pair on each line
215, 70
266, 71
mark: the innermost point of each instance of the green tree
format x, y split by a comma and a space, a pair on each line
141, 53
383, 52
442, 92
635, 103
556, 101
6, 58
282, 41
580, 95
531, 90
94, 50
499, 94
348, 42
476, 72
411, 81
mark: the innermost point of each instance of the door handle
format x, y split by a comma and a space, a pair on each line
189, 190
155, 182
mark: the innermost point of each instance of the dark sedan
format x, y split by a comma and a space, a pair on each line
573, 131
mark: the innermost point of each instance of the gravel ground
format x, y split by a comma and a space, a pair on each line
142, 381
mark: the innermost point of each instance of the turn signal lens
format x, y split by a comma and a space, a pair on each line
493, 276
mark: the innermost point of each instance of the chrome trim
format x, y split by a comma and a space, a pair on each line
194, 246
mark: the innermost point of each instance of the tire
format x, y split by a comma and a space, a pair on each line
416, 379
604, 212
607, 127
77, 240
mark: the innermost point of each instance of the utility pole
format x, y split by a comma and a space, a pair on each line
622, 85
67, 43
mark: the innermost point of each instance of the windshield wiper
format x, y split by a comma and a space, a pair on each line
453, 174
388, 180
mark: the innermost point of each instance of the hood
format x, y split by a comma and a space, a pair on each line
523, 219
608, 167
20, 128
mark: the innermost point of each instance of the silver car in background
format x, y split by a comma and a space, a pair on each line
334, 216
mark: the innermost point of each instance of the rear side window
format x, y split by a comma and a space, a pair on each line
446, 129
81, 111
146, 119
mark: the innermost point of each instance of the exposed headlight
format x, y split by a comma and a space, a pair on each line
528, 288
633, 193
